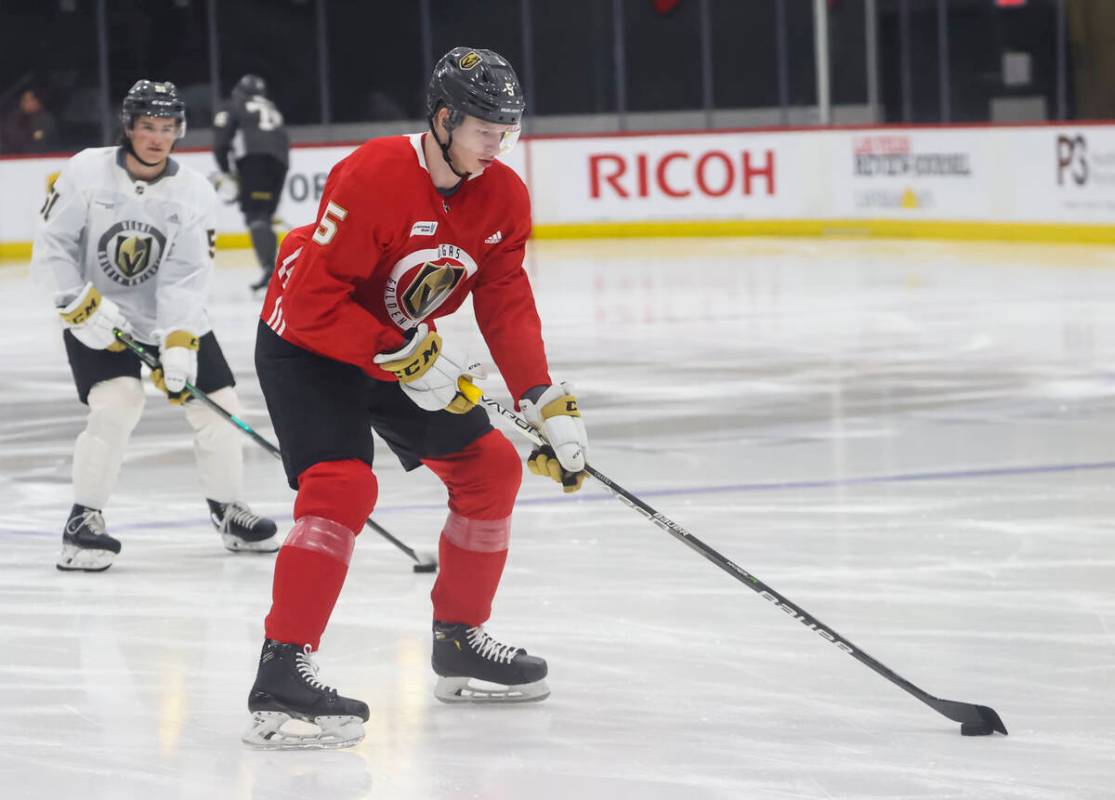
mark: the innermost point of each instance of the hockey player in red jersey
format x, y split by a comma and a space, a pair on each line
407, 227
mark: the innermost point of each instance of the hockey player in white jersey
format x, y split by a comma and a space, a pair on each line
126, 240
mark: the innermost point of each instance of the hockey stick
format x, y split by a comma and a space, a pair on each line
423, 561
974, 720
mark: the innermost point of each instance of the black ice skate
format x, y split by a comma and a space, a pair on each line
475, 668
86, 546
242, 530
287, 687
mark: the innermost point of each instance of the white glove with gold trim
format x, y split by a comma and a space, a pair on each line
555, 413
177, 364
91, 317
433, 383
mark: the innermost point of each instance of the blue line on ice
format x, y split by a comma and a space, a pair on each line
772, 486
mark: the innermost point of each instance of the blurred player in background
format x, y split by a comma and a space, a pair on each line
251, 128
408, 226
126, 238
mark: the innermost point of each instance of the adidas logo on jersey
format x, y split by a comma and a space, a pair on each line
495, 238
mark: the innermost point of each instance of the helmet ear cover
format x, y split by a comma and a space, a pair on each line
453, 119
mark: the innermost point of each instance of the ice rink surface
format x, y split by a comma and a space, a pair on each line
913, 441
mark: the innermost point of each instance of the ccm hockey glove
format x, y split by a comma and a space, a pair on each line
177, 365
91, 318
433, 383
555, 414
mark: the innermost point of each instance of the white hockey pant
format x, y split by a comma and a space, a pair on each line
115, 407
218, 447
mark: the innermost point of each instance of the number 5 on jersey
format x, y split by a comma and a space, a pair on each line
327, 228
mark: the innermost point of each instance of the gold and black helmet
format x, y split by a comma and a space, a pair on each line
477, 82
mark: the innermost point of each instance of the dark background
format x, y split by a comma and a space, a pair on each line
377, 56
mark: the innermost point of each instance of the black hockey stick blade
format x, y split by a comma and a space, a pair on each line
423, 561
974, 720
426, 562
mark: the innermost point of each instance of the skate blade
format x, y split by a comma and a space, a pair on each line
84, 559
265, 732
470, 690
237, 545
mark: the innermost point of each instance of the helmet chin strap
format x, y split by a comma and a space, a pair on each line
445, 150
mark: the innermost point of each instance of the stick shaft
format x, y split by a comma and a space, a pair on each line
152, 362
959, 712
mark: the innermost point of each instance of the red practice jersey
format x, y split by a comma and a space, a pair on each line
388, 252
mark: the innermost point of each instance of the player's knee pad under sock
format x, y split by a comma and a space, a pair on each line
344, 491
482, 478
309, 573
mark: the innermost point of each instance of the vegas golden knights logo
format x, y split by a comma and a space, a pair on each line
130, 252
430, 287
133, 254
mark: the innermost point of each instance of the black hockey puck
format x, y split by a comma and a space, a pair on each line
426, 561
969, 728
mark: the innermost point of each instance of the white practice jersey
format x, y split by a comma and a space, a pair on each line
146, 245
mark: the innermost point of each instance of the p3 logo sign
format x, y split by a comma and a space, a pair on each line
1072, 159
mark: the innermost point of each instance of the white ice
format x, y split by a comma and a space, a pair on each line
912, 441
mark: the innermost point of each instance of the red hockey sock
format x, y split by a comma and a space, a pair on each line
334, 499
466, 583
482, 479
309, 573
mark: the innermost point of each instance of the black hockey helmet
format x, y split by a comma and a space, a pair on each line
477, 82
153, 99
250, 85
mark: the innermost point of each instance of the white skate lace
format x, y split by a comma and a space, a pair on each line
308, 669
488, 647
239, 514
90, 519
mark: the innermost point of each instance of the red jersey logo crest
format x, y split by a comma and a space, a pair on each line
422, 281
